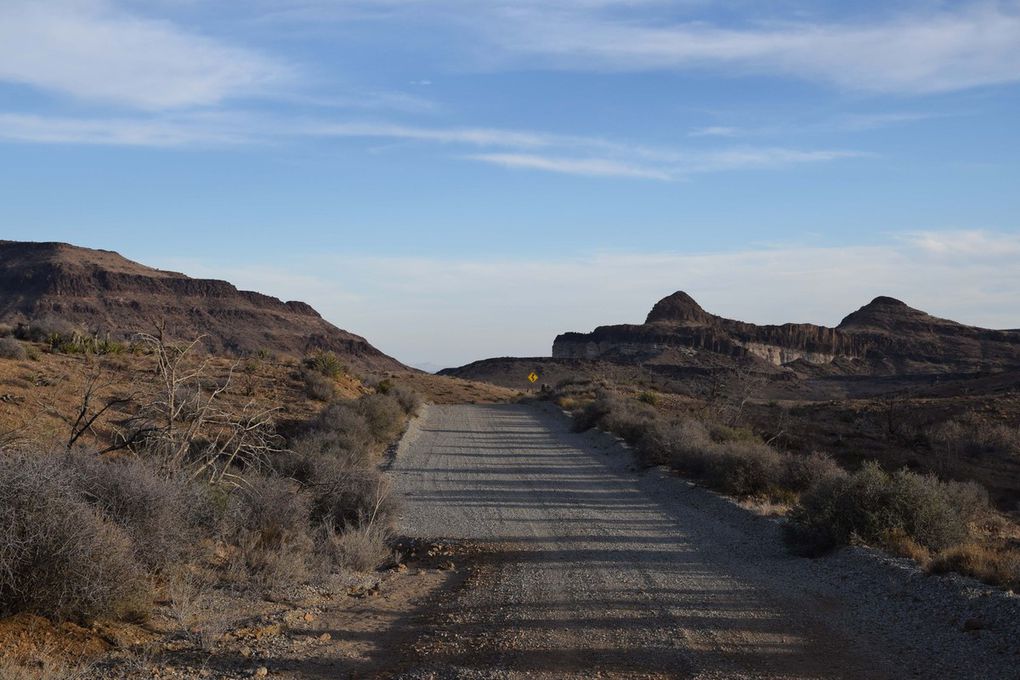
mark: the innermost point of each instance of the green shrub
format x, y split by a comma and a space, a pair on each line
804, 472
59, 557
627, 418
650, 398
327, 364
871, 503
681, 443
742, 468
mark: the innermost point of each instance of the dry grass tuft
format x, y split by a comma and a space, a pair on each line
991, 566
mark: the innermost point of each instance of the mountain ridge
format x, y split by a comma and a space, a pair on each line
106, 293
885, 336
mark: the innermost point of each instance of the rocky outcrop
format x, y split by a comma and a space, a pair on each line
884, 337
104, 293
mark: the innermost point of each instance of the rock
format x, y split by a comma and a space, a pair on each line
325, 637
246, 651
973, 624
261, 672
309, 617
446, 566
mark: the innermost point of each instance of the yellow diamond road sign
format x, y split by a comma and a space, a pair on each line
532, 377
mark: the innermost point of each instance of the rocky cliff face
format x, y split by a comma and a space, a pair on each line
883, 337
102, 292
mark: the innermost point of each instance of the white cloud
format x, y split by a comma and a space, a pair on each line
714, 131
453, 310
89, 50
932, 51
971, 244
592, 167
573, 155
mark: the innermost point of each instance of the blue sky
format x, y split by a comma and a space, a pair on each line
459, 179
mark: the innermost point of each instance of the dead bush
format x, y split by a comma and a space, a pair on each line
155, 512
267, 522
316, 385
970, 436
58, 556
355, 548
12, 349
343, 497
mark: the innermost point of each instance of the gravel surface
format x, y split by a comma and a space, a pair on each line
595, 569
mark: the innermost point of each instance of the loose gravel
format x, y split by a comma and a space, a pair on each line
596, 569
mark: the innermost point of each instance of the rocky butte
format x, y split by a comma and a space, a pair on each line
884, 337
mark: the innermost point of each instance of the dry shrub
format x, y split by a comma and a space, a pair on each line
355, 548
804, 472
871, 503
627, 418
900, 544
159, 514
971, 436
43, 665
12, 349
408, 399
995, 567
267, 520
59, 557
743, 468
345, 497
317, 386
383, 414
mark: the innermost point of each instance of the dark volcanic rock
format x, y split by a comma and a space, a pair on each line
884, 337
105, 293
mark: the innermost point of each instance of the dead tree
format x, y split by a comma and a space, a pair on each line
188, 428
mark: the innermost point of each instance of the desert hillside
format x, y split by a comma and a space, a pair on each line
56, 287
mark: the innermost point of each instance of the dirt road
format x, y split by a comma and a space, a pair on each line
594, 569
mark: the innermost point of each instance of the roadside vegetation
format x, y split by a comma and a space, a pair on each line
939, 523
194, 483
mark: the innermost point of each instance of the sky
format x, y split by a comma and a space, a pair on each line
459, 179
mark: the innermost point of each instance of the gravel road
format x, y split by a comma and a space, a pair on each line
595, 569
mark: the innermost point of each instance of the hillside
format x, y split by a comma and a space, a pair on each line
101, 292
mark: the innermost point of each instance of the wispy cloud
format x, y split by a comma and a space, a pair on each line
928, 51
89, 50
714, 131
562, 154
592, 167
